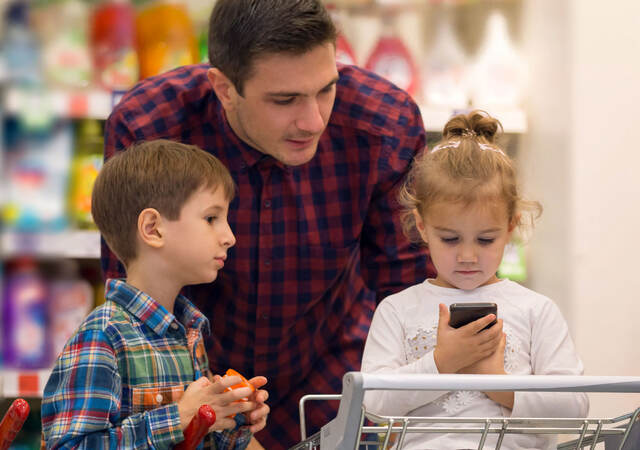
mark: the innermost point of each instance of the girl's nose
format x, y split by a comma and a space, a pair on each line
467, 255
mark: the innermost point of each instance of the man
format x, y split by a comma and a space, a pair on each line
317, 152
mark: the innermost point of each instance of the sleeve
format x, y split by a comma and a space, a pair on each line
389, 261
384, 353
118, 137
240, 436
82, 398
552, 353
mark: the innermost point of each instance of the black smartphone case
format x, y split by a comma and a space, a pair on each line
464, 313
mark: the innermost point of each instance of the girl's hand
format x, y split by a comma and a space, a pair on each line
464, 346
493, 365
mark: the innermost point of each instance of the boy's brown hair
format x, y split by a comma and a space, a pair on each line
159, 174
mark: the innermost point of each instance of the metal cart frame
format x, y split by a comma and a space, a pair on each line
346, 430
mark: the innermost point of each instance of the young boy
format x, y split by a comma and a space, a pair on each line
120, 381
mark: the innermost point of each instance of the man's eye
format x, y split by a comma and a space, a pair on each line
287, 101
486, 241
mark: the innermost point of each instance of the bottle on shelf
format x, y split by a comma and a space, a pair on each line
344, 50
444, 77
115, 61
25, 317
165, 38
392, 60
70, 300
498, 72
19, 48
63, 31
86, 163
37, 178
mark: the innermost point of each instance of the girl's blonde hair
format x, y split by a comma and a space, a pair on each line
464, 167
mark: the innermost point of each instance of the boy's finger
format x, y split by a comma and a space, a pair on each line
258, 381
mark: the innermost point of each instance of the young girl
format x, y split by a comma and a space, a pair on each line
462, 200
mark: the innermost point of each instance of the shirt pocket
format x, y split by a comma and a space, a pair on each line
147, 398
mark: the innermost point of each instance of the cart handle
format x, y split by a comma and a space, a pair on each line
337, 435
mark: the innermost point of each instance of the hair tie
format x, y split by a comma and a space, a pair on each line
456, 144
469, 133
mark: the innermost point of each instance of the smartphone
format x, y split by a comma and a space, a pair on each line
464, 313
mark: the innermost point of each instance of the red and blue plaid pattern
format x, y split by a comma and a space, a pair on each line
317, 245
117, 381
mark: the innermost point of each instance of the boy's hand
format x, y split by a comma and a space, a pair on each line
202, 391
257, 417
464, 346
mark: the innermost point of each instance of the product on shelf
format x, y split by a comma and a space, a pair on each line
115, 62
86, 163
37, 173
344, 51
25, 317
19, 49
63, 31
444, 77
70, 300
498, 73
165, 38
392, 60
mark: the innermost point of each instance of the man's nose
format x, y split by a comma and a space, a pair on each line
311, 119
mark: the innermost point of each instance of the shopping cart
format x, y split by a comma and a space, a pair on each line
346, 431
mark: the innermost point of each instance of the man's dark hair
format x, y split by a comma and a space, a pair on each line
242, 30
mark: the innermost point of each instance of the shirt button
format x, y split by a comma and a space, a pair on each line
159, 398
267, 204
267, 262
264, 316
174, 326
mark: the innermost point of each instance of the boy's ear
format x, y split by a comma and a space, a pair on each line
223, 87
150, 228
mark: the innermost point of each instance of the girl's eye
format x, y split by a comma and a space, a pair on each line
449, 240
486, 241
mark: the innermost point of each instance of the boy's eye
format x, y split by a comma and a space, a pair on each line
486, 241
210, 219
449, 240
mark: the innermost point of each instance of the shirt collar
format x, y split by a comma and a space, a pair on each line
151, 313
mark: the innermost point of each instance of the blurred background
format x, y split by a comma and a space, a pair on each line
560, 75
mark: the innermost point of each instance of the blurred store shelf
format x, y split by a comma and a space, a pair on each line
65, 244
98, 104
513, 120
23, 383
91, 104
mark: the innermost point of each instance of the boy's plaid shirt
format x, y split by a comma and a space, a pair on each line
117, 381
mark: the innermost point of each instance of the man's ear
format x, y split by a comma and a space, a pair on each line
223, 87
150, 228
420, 225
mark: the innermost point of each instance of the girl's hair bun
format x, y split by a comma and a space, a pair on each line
475, 124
